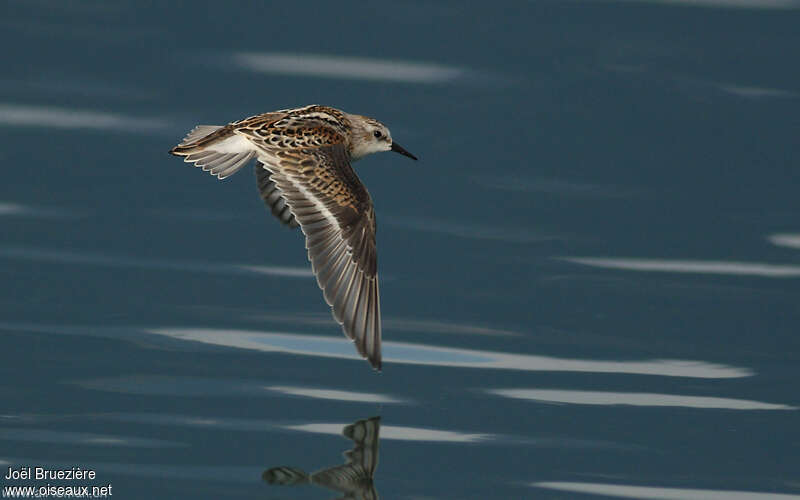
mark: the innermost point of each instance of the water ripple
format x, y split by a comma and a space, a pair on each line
659, 493
736, 4
395, 324
81, 438
18, 210
51, 117
690, 266
399, 433
785, 240
470, 231
421, 354
157, 385
351, 68
523, 184
335, 394
635, 399
751, 92
69, 257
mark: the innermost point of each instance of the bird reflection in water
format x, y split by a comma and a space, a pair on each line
354, 478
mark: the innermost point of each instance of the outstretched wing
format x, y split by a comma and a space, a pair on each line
365, 434
335, 213
272, 196
356, 477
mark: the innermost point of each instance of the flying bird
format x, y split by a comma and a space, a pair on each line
304, 175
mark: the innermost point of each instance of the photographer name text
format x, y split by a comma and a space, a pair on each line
71, 474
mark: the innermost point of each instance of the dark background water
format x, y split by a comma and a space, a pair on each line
604, 224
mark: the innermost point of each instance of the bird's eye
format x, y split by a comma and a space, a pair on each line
378, 134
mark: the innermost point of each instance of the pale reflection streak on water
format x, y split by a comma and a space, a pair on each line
691, 83
395, 352
635, 399
42, 116
221, 423
97, 259
659, 493
356, 68
733, 4
334, 394
470, 231
553, 186
394, 324
591, 140
19, 210
75, 85
12, 209
750, 92
690, 266
400, 352
160, 385
789, 240
399, 433
82, 438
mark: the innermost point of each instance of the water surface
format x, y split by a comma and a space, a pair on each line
590, 280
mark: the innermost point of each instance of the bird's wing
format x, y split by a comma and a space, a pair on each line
335, 213
272, 196
365, 434
356, 476
285, 476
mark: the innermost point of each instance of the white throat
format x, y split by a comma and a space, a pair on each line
360, 149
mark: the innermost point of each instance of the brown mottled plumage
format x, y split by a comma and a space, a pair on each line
304, 176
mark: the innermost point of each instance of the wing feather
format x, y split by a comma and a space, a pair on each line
272, 196
336, 215
345, 290
199, 132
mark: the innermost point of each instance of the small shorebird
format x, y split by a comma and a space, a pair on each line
304, 176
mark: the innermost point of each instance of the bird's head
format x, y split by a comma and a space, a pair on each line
371, 136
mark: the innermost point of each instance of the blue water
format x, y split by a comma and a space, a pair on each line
590, 280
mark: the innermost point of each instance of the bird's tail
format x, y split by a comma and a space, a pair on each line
198, 138
216, 149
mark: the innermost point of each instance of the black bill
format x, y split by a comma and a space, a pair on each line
399, 149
